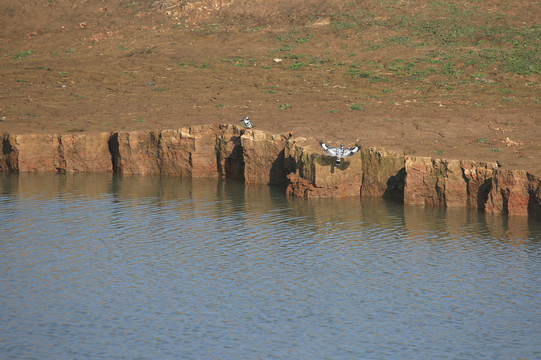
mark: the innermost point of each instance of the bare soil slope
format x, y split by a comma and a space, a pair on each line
449, 79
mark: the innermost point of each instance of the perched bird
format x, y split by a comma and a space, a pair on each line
247, 122
339, 152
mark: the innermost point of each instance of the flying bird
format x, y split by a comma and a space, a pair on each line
247, 122
339, 152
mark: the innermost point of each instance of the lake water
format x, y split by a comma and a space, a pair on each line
106, 267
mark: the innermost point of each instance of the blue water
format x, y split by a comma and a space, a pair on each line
104, 267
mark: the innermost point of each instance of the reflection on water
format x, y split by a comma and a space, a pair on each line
98, 266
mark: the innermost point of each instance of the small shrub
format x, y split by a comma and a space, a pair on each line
357, 106
298, 65
284, 106
304, 39
23, 54
378, 78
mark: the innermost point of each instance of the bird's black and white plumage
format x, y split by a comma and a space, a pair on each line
339, 152
247, 122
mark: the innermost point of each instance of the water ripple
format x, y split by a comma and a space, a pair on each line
168, 269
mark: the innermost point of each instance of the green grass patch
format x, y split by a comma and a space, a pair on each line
354, 72
523, 61
284, 106
304, 39
378, 78
401, 66
356, 107
399, 40
298, 65
421, 74
240, 61
23, 54
130, 4
344, 24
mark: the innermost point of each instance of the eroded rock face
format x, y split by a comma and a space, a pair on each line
135, 152
317, 175
229, 152
514, 193
383, 174
55, 153
84, 153
448, 183
264, 157
9, 154
37, 152
256, 157
478, 177
174, 153
198, 151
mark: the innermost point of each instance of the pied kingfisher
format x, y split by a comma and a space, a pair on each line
247, 122
339, 152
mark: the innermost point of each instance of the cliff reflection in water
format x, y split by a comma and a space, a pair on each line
158, 267
234, 196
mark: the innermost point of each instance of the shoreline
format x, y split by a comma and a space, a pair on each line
296, 163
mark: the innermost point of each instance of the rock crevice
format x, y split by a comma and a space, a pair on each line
296, 163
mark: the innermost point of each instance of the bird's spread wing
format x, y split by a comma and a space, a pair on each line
329, 150
350, 151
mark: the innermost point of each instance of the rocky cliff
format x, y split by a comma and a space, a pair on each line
256, 157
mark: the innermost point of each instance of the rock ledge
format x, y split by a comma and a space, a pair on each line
257, 157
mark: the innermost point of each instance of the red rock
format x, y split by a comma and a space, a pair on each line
230, 159
260, 158
175, 148
135, 152
422, 186
263, 157
203, 158
449, 183
514, 192
317, 175
37, 152
9, 155
478, 178
85, 153
383, 174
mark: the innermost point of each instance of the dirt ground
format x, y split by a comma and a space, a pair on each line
370, 74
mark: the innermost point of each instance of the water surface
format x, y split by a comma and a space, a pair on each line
106, 267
